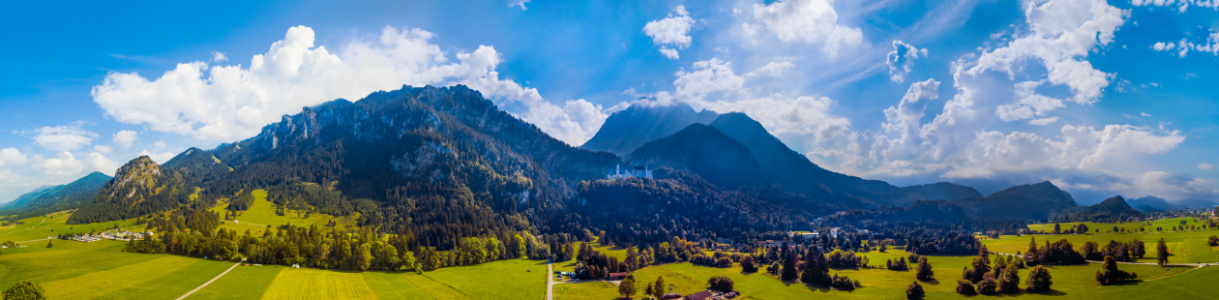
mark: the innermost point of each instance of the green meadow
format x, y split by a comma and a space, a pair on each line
262, 213
1076, 282
1164, 224
39, 228
100, 270
1184, 246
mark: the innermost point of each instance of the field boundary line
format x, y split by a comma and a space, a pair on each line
210, 281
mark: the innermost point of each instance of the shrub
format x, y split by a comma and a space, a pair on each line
964, 287
924, 270
842, 283
25, 290
988, 285
914, 291
747, 265
720, 283
1039, 280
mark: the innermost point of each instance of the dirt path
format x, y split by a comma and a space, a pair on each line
550, 281
210, 281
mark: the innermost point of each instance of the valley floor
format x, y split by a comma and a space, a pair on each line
100, 270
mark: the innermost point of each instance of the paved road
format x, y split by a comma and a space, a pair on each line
209, 281
550, 281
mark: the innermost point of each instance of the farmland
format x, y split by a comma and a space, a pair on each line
100, 270
1075, 281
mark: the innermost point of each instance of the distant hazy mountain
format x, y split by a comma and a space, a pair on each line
935, 191
1030, 201
61, 197
626, 130
1153, 204
1196, 203
1111, 210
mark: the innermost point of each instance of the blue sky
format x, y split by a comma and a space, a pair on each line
1095, 96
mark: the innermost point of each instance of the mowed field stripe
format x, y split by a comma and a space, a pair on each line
435, 289
102, 283
318, 284
389, 285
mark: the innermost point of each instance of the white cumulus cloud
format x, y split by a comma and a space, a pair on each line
1206, 166
521, 3
12, 156
673, 30
229, 102
808, 21
63, 138
901, 60
124, 138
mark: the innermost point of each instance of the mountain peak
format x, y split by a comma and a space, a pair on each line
626, 130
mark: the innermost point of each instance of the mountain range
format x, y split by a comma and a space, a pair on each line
445, 163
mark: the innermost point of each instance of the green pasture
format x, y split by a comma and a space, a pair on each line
262, 213
37, 229
99, 270
1184, 246
1165, 224
1077, 282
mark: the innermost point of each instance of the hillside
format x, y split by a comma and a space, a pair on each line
56, 198
443, 162
705, 151
794, 172
627, 130
1030, 201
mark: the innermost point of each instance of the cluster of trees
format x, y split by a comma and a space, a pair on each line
900, 265
1119, 251
641, 210
1002, 278
194, 233
1109, 274
704, 260
1057, 253
593, 264
815, 270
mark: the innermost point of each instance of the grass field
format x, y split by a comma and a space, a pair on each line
1165, 224
1075, 281
262, 213
39, 228
614, 251
98, 270
1184, 246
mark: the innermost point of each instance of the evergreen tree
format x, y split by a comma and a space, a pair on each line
789, 272
1161, 252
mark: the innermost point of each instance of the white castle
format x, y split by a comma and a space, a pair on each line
636, 171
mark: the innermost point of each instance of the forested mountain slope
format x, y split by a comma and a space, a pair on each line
57, 198
1030, 202
443, 161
